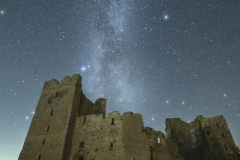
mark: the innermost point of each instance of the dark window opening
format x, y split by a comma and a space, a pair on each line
43, 141
39, 157
81, 145
111, 147
208, 133
84, 119
112, 121
51, 113
217, 125
158, 140
223, 135
48, 128
225, 147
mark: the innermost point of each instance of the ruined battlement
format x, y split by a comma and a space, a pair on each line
67, 81
68, 126
197, 123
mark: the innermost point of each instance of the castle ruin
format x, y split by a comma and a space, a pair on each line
68, 126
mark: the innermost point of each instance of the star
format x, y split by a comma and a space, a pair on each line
165, 16
83, 69
2, 11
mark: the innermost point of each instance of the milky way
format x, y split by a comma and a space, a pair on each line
109, 73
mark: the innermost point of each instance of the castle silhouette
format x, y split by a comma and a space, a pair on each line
68, 126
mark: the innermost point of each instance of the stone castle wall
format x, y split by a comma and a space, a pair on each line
96, 137
68, 126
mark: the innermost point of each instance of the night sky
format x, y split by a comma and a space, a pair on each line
163, 59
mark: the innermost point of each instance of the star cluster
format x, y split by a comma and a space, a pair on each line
162, 59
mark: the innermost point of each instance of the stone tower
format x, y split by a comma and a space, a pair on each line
49, 135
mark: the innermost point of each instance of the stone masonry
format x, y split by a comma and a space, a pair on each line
68, 126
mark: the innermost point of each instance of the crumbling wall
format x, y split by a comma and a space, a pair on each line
204, 138
187, 137
218, 137
85, 106
100, 106
160, 147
